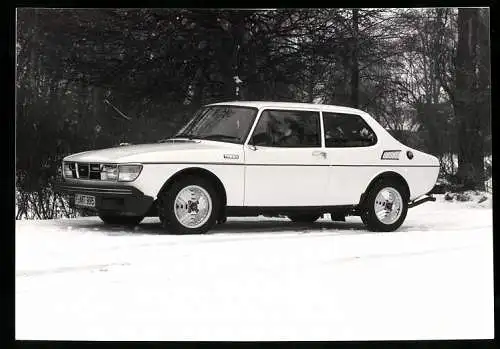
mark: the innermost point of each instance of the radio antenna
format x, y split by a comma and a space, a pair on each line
117, 110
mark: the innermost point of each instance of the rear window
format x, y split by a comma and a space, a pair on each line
347, 130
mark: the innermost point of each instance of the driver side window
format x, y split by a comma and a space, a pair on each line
287, 128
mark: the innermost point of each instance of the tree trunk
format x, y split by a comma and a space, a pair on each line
470, 172
484, 97
230, 65
310, 84
199, 86
100, 126
436, 47
228, 69
355, 63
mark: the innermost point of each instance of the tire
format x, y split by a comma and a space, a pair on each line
304, 217
173, 206
379, 199
161, 217
120, 220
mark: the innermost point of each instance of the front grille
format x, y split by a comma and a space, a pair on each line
85, 170
88, 171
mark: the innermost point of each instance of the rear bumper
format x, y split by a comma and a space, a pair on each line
109, 197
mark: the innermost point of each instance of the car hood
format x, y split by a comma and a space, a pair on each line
155, 152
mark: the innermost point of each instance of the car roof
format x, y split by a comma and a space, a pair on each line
267, 104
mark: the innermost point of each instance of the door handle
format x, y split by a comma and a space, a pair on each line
319, 153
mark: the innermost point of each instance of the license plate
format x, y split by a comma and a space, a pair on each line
84, 200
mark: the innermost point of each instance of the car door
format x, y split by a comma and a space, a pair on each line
285, 164
352, 150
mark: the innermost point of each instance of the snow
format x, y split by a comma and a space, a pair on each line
259, 279
471, 198
237, 80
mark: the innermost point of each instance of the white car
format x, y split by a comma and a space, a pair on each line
257, 158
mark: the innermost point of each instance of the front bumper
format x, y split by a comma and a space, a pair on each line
109, 197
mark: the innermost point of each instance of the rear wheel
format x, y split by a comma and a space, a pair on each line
304, 217
190, 206
120, 220
385, 206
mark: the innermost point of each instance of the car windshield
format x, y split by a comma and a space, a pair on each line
220, 123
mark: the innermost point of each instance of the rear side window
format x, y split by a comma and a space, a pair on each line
347, 130
288, 128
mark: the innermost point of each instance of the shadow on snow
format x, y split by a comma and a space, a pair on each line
242, 227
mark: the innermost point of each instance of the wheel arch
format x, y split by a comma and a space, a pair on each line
198, 172
391, 175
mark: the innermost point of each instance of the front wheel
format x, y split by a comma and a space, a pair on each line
385, 206
120, 220
190, 206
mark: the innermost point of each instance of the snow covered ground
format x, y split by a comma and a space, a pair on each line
259, 279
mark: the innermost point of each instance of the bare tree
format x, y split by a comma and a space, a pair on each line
470, 141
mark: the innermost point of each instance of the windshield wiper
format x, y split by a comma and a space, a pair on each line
185, 135
214, 137
209, 137
181, 135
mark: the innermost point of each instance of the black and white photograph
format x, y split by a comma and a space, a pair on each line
253, 174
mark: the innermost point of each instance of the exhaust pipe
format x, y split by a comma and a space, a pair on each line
421, 201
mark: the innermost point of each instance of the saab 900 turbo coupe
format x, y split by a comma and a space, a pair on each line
256, 158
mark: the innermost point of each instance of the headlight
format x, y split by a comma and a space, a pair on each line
67, 170
109, 172
128, 173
